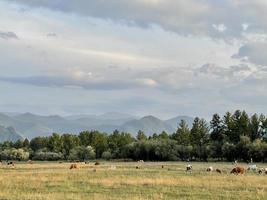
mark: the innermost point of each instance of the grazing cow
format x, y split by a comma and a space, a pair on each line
252, 167
162, 166
209, 169
74, 166
262, 170
189, 168
238, 170
137, 167
29, 162
11, 163
97, 163
218, 171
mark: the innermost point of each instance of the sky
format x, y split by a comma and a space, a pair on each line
159, 57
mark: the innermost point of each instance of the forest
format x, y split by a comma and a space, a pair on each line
234, 136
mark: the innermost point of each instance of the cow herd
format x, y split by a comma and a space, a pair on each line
236, 170
189, 168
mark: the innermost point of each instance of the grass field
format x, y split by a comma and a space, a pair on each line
52, 181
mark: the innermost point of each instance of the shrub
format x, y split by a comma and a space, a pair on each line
106, 155
50, 156
14, 154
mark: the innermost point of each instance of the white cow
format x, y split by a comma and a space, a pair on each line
189, 168
209, 169
252, 167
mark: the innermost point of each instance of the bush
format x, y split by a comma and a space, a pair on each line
49, 156
106, 155
82, 153
14, 154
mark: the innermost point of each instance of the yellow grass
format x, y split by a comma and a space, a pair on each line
53, 181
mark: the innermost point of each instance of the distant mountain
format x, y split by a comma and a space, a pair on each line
174, 122
108, 119
9, 134
116, 116
148, 124
31, 125
75, 117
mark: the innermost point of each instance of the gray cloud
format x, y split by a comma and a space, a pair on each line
190, 17
8, 35
254, 52
239, 72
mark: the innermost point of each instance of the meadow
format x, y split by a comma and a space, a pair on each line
121, 180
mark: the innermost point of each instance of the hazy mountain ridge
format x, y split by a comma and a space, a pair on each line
148, 124
9, 134
31, 125
174, 122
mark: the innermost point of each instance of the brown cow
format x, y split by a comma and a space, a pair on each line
218, 171
238, 170
74, 166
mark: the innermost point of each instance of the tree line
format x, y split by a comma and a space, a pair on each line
236, 136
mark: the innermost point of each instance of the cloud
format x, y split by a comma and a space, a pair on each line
187, 17
51, 35
239, 72
139, 56
8, 35
254, 52
78, 82
220, 27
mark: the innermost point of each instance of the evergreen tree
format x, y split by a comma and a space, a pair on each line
182, 134
141, 136
254, 128
217, 129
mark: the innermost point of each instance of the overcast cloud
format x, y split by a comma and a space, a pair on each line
161, 57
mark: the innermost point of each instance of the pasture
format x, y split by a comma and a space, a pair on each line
119, 180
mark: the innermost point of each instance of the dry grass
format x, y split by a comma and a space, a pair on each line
53, 181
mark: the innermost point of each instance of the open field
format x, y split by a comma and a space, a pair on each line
56, 181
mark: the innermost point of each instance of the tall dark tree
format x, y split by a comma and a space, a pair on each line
199, 132
254, 127
217, 128
54, 143
68, 143
38, 143
163, 135
141, 136
85, 138
117, 140
26, 143
217, 136
182, 134
99, 142
229, 125
199, 137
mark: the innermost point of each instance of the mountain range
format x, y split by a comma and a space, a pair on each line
9, 134
28, 125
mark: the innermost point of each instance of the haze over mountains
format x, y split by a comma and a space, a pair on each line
28, 125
